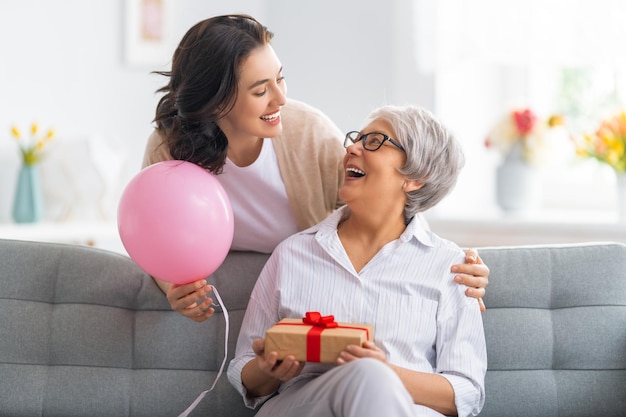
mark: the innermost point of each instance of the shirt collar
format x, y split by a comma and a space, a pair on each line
417, 229
328, 227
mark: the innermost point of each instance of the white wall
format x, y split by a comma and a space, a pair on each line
348, 57
63, 66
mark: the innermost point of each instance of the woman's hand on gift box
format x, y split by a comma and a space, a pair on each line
367, 350
268, 363
264, 374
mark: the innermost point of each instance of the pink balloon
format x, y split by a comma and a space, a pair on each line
175, 221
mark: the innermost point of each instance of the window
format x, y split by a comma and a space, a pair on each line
554, 56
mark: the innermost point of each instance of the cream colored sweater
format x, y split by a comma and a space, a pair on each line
309, 152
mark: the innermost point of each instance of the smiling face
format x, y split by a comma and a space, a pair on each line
261, 94
372, 178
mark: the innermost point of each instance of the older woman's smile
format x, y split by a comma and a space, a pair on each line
354, 172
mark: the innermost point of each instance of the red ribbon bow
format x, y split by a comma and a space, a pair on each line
316, 319
314, 336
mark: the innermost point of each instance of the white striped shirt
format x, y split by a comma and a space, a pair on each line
422, 319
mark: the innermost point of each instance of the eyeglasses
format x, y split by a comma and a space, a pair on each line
371, 141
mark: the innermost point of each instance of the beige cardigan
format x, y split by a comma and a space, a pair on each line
309, 152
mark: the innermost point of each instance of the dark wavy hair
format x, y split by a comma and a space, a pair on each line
202, 87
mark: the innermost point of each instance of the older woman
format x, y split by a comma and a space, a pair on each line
372, 261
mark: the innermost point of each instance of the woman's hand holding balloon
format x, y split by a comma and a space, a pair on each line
191, 300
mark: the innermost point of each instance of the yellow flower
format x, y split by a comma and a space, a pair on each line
608, 143
32, 148
16, 133
556, 120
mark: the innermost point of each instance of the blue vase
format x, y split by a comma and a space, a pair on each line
28, 203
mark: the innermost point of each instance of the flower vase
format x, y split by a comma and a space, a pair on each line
28, 202
621, 197
518, 186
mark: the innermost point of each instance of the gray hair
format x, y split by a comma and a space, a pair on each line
433, 156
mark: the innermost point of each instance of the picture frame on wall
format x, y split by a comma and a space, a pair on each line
148, 37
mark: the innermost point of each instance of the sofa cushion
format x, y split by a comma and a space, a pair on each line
85, 332
556, 330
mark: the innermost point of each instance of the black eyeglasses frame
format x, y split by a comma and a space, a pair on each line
363, 137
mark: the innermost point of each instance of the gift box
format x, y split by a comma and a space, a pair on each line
315, 338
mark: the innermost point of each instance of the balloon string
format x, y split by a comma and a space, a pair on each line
203, 393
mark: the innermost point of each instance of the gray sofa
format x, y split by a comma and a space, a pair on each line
84, 332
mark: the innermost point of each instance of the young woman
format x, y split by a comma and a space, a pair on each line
372, 261
225, 109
